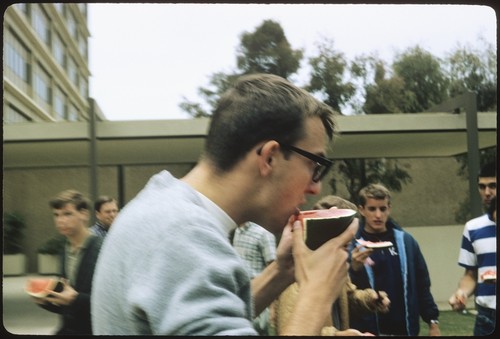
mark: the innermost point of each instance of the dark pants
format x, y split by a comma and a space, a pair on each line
485, 321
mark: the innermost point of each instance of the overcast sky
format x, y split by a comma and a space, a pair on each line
144, 58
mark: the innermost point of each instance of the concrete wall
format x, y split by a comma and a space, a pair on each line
440, 246
425, 208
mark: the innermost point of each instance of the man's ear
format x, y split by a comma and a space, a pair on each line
267, 153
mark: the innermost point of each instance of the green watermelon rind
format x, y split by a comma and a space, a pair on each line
323, 225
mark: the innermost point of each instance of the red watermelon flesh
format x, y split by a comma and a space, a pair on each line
323, 225
36, 287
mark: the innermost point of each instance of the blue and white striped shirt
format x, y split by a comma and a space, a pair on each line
479, 252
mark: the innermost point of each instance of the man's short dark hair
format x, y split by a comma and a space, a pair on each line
488, 171
103, 199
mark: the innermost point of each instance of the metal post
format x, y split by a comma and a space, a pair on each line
473, 160
92, 156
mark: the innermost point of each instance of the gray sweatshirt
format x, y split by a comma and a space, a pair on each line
167, 268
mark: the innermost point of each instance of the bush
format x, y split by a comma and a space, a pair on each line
13, 233
53, 246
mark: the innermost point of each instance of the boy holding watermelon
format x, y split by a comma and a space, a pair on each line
400, 270
71, 211
177, 274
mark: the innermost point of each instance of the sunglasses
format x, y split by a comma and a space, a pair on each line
491, 186
322, 164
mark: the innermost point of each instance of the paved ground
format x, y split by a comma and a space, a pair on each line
20, 314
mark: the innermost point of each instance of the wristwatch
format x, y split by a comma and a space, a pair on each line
434, 321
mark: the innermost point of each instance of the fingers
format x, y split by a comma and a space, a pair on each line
298, 235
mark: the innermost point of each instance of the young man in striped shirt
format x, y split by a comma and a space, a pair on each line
478, 256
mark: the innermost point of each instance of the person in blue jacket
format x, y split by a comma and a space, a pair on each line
400, 270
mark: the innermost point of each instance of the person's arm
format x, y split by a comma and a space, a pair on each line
466, 288
277, 276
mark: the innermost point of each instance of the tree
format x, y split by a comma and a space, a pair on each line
266, 50
423, 76
357, 173
382, 96
219, 83
474, 70
388, 96
328, 73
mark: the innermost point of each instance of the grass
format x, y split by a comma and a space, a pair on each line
452, 323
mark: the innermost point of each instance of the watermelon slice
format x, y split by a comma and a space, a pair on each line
36, 287
323, 225
489, 276
374, 245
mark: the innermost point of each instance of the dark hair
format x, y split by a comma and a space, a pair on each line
260, 107
488, 171
70, 197
374, 191
492, 208
103, 199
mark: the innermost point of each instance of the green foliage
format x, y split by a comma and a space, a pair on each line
53, 246
414, 82
423, 76
357, 173
328, 73
474, 70
264, 51
267, 50
13, 233
388, 96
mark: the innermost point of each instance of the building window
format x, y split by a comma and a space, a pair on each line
60, 8
59, 104
59, 51
82, 45
16, 58
72, 27
22, 7
41, 24
13, 115
41, 86
83, 88
73, 71
83, 8
72, 113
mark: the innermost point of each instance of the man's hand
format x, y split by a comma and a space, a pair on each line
359, 256
458, 300
64, 298
434, 330
380, 301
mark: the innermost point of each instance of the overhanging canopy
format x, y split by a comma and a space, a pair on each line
181, 141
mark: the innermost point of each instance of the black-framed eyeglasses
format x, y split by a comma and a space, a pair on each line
322, 164
491, 186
